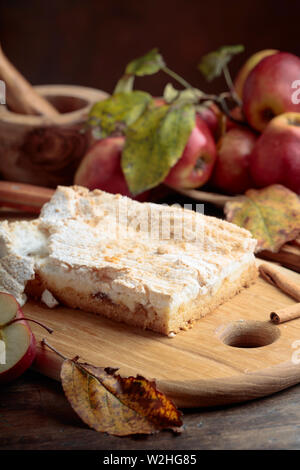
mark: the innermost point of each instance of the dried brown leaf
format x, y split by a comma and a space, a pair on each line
271, 214
119, 406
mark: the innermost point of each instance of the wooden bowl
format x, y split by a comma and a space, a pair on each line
47, 151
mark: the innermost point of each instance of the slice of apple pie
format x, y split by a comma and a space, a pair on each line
152, 266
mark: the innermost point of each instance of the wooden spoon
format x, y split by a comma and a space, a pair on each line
20, 95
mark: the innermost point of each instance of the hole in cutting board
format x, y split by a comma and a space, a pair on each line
248, 334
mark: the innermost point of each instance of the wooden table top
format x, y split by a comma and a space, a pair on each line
35, 415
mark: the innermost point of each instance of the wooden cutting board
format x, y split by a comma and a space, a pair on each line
232, 355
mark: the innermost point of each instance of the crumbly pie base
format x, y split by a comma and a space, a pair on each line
182, 319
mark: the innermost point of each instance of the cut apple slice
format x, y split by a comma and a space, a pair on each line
17, 340
8, 308
20, 350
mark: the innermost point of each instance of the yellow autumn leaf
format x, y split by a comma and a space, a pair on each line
271, 214
119, 406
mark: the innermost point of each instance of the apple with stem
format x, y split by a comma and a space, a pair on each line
18, 345
268, 90
238, 115
247, 67
212, 116
195, 166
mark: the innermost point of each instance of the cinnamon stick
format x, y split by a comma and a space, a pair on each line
285, 314
21, 97
203, 196
23, 196
275, 277
288, 256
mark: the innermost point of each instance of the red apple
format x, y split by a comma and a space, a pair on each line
248, 66
19, 341
231, 173
101, 168
158, 101
211, 115
195, 166
236, 113
268, 90
276, 155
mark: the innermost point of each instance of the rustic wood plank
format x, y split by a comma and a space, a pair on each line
35, 415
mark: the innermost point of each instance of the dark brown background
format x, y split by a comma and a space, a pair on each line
89, 42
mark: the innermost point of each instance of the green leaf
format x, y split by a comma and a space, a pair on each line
212, 64
154, 143
148, 64
189, 95
114, 114
170, 93
125, 84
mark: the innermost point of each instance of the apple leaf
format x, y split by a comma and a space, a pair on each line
113, 115
120, 406
271, 214
170, 93
154, 143
189, 95
148, 64
125, 84
212, 64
